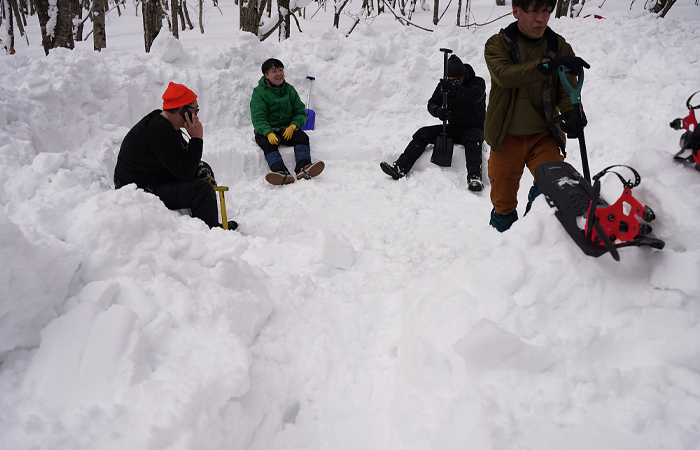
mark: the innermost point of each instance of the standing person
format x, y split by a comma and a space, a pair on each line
156, 157
526, 103
278, 114
466, 108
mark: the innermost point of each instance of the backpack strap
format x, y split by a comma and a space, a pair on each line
548, 88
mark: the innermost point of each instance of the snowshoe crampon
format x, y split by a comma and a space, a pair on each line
606, 228
689, 152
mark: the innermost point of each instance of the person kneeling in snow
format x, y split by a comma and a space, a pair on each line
465, 112
277, 114
156, 157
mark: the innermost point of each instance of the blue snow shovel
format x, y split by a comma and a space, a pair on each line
311, 120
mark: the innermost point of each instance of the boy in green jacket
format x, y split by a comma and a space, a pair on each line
278, 114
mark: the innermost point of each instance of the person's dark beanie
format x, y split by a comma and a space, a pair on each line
455, 67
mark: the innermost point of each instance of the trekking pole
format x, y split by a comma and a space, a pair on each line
221, 190
575, 94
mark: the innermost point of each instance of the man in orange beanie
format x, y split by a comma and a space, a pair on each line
156, 157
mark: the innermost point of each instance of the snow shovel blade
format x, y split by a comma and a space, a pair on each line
442, 152
310, 121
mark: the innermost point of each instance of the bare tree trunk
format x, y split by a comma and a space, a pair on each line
19, 18
562, 8
339, 5
174, 13
183, 9
152, 21
436, 6
78, 12
661, 6
99, 36
57, 32
201, 14
411, 9
459, 12
283, 11
165, 11
248, 20
9, 48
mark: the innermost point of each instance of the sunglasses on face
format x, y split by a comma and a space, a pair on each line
196, 110
453, 80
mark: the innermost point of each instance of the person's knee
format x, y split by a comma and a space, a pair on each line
473, 147
202, 189
300, 137
422, 135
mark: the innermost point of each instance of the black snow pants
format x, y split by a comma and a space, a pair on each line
470, 138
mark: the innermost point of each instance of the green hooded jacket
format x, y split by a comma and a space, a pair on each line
272, 109
507, 77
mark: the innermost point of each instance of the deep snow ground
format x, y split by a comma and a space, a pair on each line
350, 311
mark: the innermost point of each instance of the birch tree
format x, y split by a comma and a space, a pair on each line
56, 22
152, 21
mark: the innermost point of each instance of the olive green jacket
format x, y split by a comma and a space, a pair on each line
272, 109
507, 77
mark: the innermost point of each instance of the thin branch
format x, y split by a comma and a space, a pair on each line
490, 21
403, 21
444, 11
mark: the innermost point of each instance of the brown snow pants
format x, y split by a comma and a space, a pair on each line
506, 166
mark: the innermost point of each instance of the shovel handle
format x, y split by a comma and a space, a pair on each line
308, 98
574, 92
224, 220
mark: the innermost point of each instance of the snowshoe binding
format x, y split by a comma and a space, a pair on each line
607, 227
690, 140
279, 178
311, 170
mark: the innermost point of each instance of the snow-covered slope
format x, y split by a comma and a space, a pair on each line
351, 311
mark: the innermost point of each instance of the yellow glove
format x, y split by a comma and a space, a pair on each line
272, 138
287, 135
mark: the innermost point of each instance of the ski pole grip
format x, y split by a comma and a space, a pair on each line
574, 92
310, 78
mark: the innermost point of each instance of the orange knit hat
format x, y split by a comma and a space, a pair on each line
177, 95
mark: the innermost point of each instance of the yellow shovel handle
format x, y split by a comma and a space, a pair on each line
221, 190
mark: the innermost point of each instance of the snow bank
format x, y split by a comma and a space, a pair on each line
350, 311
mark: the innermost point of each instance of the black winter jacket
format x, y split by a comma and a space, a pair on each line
467, 107
153, 152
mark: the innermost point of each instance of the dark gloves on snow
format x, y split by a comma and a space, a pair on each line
569, 123
205, 171
574, 63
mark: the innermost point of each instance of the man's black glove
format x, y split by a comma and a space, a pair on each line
205, 171
443, 114
447, 87
574, 63
569, 123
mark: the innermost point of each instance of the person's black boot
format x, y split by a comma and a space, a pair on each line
392, 170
